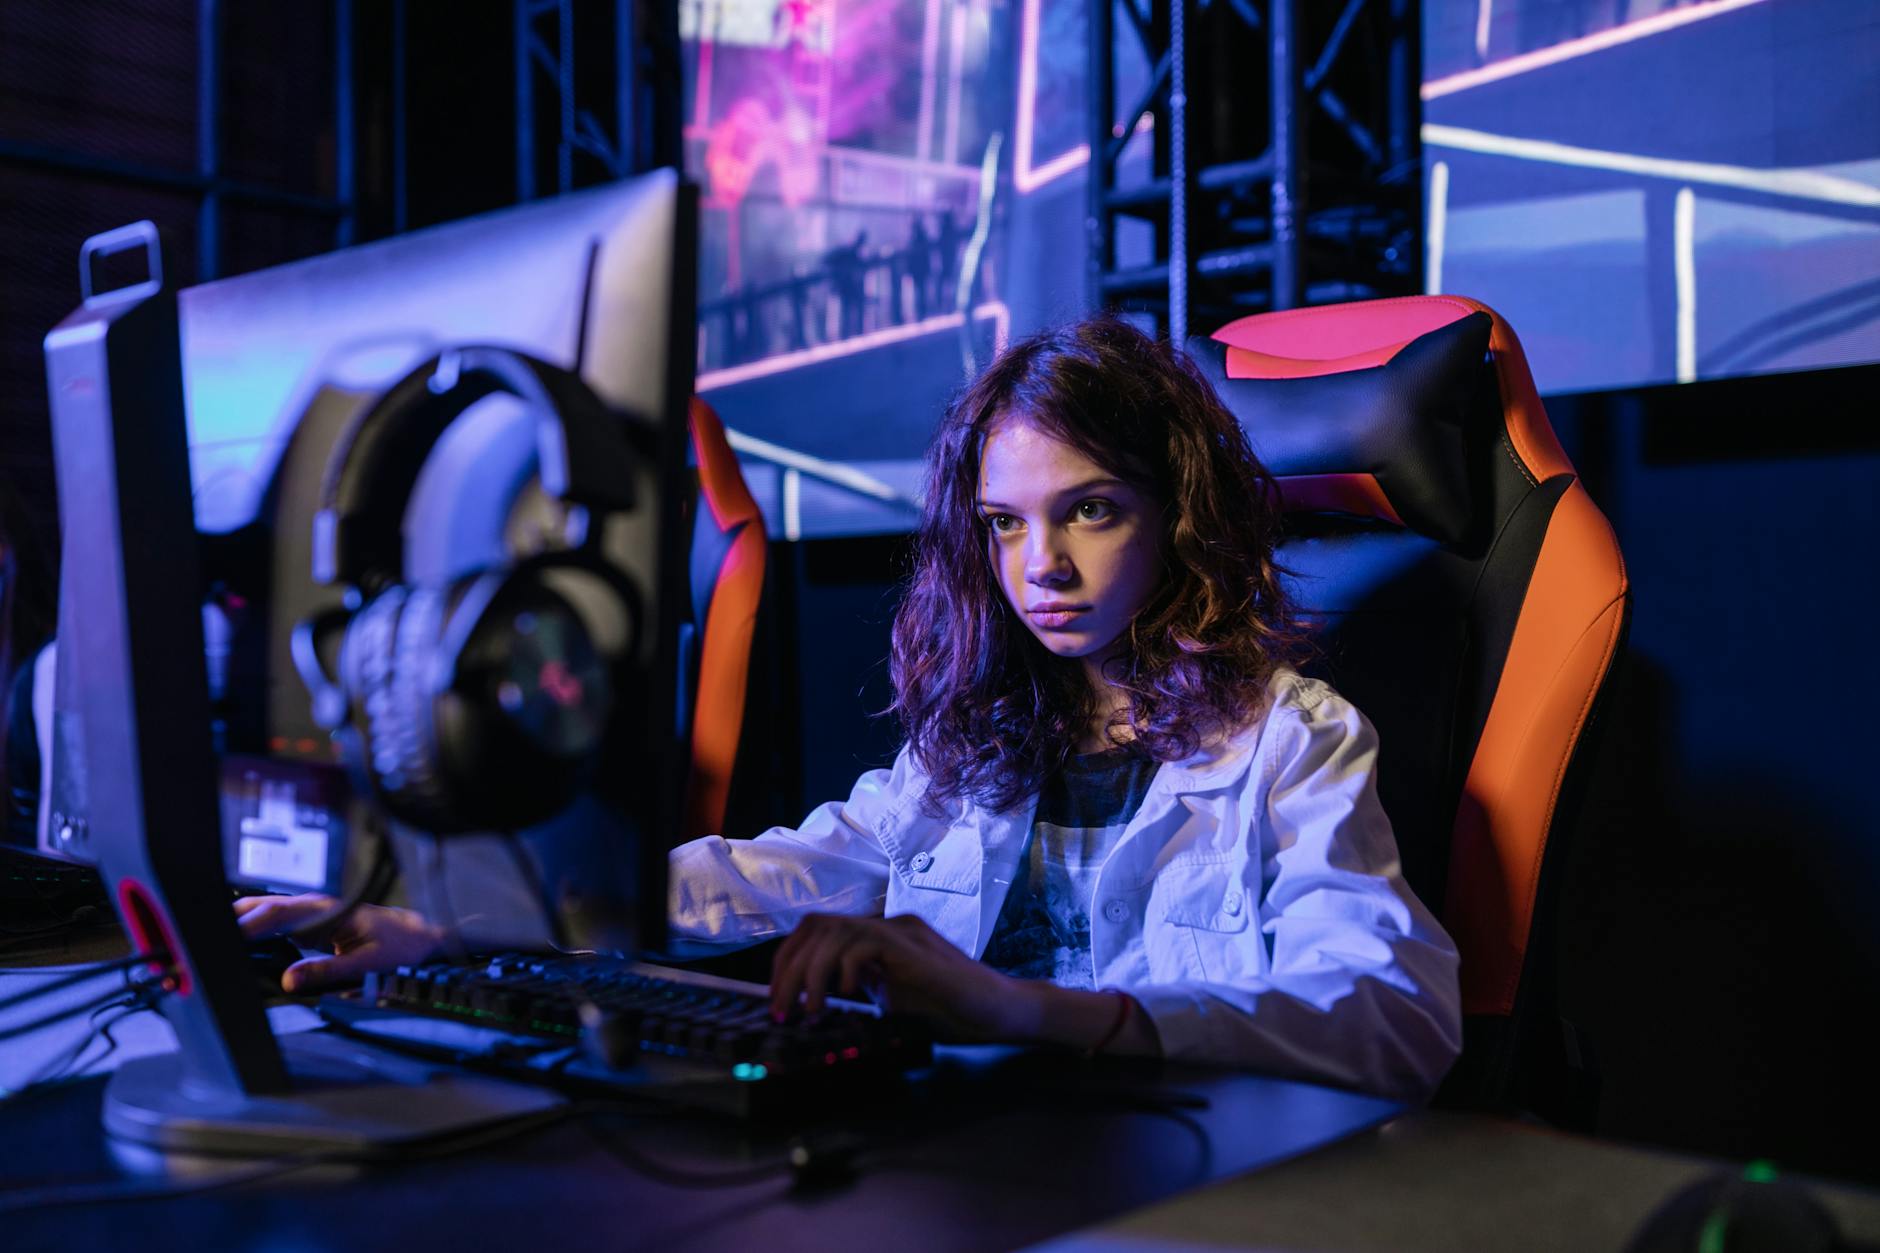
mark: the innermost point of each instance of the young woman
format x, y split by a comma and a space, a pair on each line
1120, 820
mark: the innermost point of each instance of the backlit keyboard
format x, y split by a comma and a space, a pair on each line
625, 1018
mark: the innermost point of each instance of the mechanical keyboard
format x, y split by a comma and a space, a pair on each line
660, 1032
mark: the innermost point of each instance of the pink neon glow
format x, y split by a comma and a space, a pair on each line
1567, 51
1058, 166
871, 69
809, 81
798, 21
1024, 176
784, 362
739, 146
754, 133
748, 137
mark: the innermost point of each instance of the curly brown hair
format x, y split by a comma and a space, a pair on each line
988, 711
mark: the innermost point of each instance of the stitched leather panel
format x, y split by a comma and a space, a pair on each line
1562, 649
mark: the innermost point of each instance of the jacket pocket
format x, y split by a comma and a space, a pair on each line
1202, 919
946, 861
1207, 896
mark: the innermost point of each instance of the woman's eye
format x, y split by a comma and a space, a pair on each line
1001, 523
1094, 510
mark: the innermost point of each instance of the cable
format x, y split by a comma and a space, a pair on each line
60, 1015
60, 1068
378, 878
78, 976
532, 880
437, 898
143, 990
79, 1065
826, 1160
679, 1176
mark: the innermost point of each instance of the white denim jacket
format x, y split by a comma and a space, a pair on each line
1254, 906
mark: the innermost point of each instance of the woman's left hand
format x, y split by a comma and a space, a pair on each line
904, 966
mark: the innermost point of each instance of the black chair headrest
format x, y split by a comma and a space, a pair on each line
1385, 440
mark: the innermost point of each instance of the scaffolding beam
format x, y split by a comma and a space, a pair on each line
643, 131
1324, 206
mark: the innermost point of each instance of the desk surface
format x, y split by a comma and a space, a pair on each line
1438, 1181
1023, 1149
997, 1150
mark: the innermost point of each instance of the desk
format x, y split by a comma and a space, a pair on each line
997, 1150
1438, 1181
1023, 1151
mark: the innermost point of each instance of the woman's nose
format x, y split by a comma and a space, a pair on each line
1047, 564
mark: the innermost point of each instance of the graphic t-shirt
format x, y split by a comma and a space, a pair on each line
1043, 930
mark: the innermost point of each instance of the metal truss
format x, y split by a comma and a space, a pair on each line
209, 181
645, 128
1271, 228
642, 133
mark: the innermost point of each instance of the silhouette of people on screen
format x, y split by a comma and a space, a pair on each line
920, 266
847, 283
951, 240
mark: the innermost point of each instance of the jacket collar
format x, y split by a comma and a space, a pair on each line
1214, 767
1229, 760
1221, 764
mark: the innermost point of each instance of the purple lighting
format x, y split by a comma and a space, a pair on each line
1025, 176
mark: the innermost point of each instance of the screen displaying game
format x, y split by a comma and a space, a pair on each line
1653, 191
839, 145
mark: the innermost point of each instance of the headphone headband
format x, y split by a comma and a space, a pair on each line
374, 466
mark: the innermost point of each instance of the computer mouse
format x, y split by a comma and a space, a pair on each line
1751, 1211
270, 958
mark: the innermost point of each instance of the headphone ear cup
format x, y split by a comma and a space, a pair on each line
365, 661
405, 733
392, 725
528, 702
476, 706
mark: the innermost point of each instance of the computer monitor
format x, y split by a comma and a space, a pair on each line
276, 364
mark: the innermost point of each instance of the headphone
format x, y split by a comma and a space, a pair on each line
479, 704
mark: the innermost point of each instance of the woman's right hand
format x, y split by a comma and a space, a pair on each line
366, 939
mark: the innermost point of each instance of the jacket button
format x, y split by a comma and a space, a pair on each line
1232, 903
920, 862
1115, 910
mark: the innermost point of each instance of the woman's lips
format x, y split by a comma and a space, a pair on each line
1056, 619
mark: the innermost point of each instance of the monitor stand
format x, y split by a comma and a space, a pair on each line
134, 775
344, 1098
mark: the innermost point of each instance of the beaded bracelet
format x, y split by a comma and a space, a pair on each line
1125, 1003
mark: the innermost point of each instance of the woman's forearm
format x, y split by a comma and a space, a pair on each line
1085, 1020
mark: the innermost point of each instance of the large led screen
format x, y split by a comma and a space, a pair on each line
1653, 191
839, 147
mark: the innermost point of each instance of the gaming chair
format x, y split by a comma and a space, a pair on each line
1464, 591
729, 550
